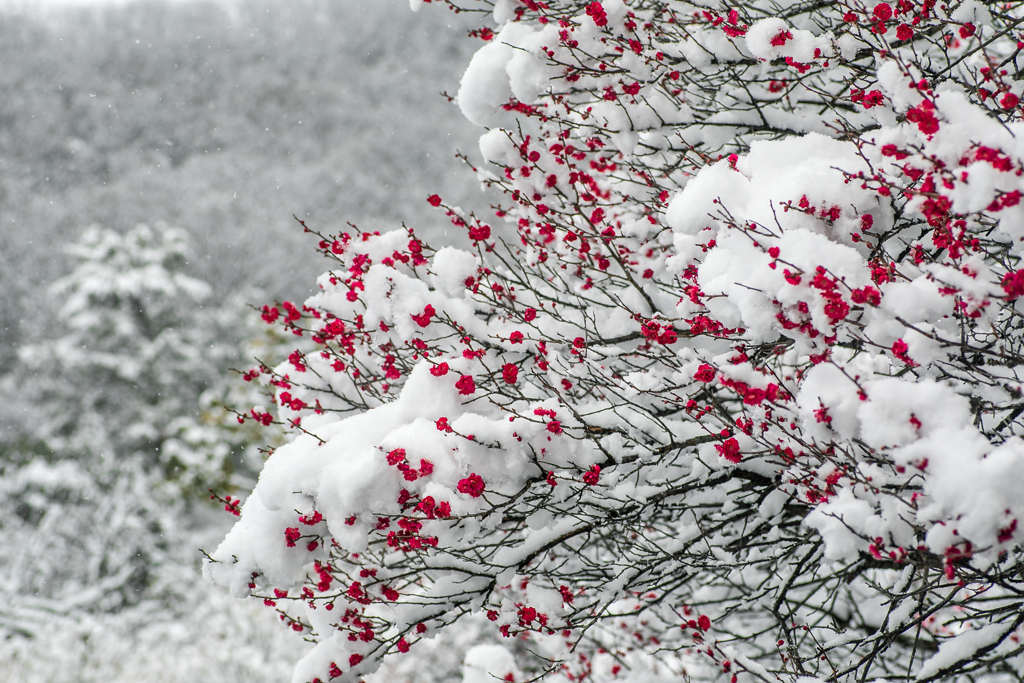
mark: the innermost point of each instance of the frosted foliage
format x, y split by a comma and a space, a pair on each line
98, 578
729, 389
214, 641
133, 353
85, 522
99, 572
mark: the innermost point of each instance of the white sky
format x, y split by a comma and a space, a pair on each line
42, 8
59, 3
37, 4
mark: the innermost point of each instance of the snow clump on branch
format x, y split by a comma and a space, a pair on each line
731, 388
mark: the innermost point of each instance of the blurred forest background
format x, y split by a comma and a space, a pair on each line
223, 119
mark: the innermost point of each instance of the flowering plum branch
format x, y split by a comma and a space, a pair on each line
730, 388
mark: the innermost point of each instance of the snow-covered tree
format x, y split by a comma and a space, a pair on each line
133, 352
110, 429
730, 390
114, 413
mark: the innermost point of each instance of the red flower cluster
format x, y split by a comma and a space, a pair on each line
780, 38
596, 12
730, 450
1013, 284
465, 385
900, 350
423, 319
705, 373
473, 486
509, 373
924, 116
655, 332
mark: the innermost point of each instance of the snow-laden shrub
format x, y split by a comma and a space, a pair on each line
728, 388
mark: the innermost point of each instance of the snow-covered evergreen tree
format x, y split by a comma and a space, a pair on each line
730, 390
111, 429
134, 347
122, 379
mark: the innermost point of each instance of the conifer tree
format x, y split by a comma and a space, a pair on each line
91, 518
